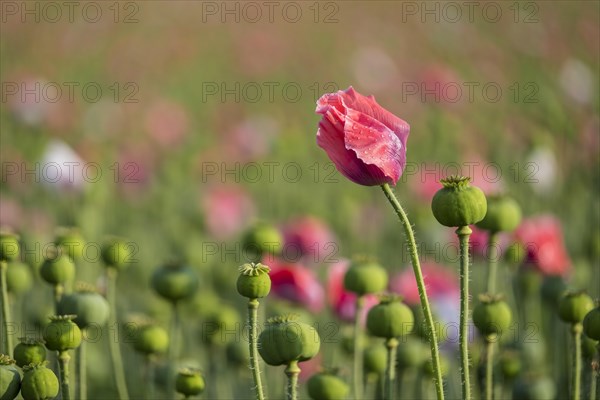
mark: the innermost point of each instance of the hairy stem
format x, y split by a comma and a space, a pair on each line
489, 369
8, 347
390, 371
576, 331
463, 235
81, 373
429, 326
63, 367
254, 361
292, 371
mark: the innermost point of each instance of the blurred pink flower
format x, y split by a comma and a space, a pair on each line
340, 300
373, 68
441, 282
228, 210
310, 367
310, 238
545, 249
135, 167
166, 122
250, 139
296, 283
439, 84
30, 102
11, 213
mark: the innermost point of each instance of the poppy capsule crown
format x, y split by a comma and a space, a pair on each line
39, 382
29, 351
62, 333
458, 203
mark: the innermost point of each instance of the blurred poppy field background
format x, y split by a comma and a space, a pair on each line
181, 125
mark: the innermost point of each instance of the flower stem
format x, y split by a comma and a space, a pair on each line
492, 262
63, 366
390, 372
254, 362
149, 377
358, 351
292, 371
82, 373
576, 331
429, 327
489, 371
59, 290
463, 233
8, 347
113, 343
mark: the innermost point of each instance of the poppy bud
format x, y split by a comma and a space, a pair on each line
9, 246
150, 339
411, 353
254, 281
591, 324
262, 239
29, 351
364, 277
89, 307
62, 333
375, 359
116, 253
175, 281
327, 386
71, 241
503, 214
510, 364
57, 268
491, 315
39, 383
390, 318
458, 203
574, 306
18, 278
189, 382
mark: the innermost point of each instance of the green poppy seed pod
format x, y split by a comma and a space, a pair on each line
10, 379
62, 333
9, 246
71, 241
428, 367
262, 239
238, 353
150, 339
492, 316
29, 351
117, 253
574, 306
89, 307
18, 278
365, 276
375, 359
503, 214
175, 282
591, 324
57, 268
390, 318
553, 288
254, 281
285, 340
510, 364
39, 383
411, 353
327, 386
222, 320
588, 347
458, 203
189, 382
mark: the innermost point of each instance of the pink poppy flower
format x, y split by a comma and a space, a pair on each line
543, 240
441, 282
166, 122
228, 211
309, 238
342, 302
366, 143
296, 283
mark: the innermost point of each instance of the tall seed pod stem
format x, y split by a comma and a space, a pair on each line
463, 234
7, 337
113, 342
358, 351
63, 366
391, 345
292, 371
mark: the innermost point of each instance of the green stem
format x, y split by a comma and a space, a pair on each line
149, 377
59, 290
113, 343
463, 234
63, 366
493, 254
173, 353
358, 351
254, 361
576, 331
292, 371
8, 347
489, 369
82, 373
390, 372
429, 326
593, 385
